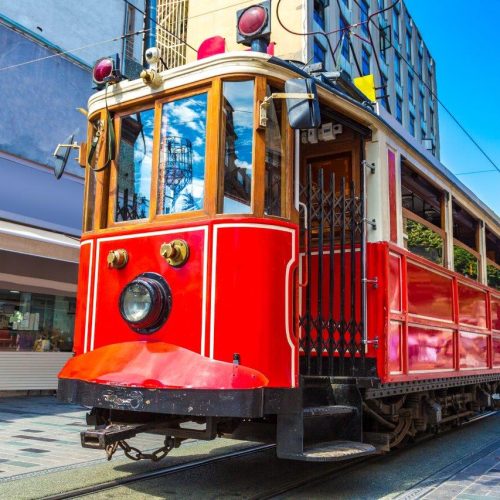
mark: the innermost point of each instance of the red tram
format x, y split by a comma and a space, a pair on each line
269, 256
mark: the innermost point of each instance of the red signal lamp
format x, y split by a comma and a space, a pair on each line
254, 26
106, 70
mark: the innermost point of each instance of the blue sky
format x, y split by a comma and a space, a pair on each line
465, 44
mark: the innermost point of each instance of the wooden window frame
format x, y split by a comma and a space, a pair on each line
408, 214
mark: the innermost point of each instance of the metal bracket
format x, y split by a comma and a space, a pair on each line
374, 342
372, 222
371, 166
73, 145
279, 95
373, 281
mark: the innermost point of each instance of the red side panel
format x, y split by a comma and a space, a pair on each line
252, 293
430, 349
473, 350
84, 295
471, 306
185, 325
429, 293
495, 312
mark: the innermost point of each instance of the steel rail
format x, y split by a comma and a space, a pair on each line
340, 470
89, 490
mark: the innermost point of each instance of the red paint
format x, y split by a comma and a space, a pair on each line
496, 350
394, 348
471, 306
211, 46
391, 157
250, 299
84, 297
157, 365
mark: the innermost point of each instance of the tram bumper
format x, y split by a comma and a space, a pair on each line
158, 377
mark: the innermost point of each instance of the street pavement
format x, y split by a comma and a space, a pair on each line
41, 455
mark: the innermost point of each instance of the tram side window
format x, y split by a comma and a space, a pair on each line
422, 225
181, 176
275, 154
238, 125
493, 259
134, 166
465, 252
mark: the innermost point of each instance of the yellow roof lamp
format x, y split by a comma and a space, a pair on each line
366, 84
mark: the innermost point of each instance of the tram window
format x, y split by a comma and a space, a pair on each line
493, 259
274, 157
134, 166
422, 229
237, 115
181, 177
465, 254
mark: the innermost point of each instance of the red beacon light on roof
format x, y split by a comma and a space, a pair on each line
254, 26
106, 70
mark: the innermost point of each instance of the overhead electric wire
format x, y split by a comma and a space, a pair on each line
421, 78
159, 25
69, 52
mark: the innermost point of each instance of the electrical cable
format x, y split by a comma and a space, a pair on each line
432, 93
159, 25
68, 52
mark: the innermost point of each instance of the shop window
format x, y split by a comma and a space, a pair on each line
422, 226
275, 155
134, 166
36, 322
492, 259
465, 253
237, 116
181, 169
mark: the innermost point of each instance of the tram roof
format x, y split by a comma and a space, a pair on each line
255, 62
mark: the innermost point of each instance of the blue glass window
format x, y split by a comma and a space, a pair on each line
411, 125
238, 126
319, 53
364, 9
134, 166
395, 24
408, 45
319, 13
410, 87
365, 62
181, 176
421, 105
399, 109
397, 68
345, 34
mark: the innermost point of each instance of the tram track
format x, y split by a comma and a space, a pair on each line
409, 494
288, 487
92, 489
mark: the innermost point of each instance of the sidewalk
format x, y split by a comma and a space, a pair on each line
39, 433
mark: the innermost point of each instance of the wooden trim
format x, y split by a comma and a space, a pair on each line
259, 150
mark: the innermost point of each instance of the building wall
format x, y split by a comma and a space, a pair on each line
217, 18
72, 25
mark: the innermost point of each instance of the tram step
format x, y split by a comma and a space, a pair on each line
329, 411
332, 452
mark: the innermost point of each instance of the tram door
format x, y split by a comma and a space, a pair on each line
330, 298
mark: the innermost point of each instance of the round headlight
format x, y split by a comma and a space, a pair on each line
145, 302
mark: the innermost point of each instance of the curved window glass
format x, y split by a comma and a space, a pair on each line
237, 113
181, 171
134, 166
